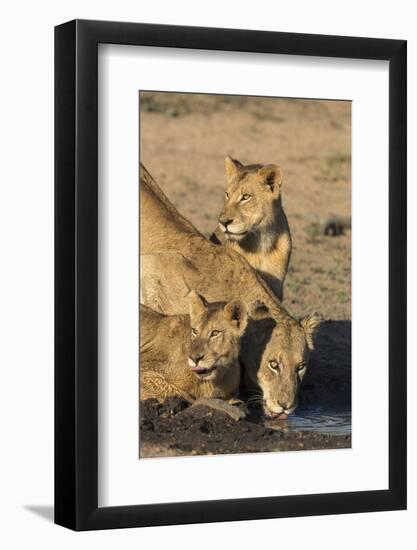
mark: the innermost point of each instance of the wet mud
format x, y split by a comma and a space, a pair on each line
322, 419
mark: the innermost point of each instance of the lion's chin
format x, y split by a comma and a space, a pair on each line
236, 236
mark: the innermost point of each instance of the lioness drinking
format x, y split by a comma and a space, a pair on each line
193, 355
253, 221
275, 375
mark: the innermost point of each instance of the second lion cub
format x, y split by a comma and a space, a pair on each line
192, 356
253, 221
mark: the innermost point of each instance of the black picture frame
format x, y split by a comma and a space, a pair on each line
76, 272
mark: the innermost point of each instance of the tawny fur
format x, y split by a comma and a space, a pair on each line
176, 258
257, 227
168, 341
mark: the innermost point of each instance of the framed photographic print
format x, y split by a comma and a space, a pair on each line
230, 252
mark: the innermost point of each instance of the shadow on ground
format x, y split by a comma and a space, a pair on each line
327, 383
45, 512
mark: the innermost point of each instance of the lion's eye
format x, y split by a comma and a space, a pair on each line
273, 365
214, 333
194, 332
301, 367
226, 194
245, 197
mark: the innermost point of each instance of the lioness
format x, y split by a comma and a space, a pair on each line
253, 220
276, 379
192, 356
176, 258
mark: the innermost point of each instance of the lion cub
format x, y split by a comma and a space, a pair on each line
193, 355
253, 221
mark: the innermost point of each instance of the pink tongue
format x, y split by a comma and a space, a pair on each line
198, 370
280, 416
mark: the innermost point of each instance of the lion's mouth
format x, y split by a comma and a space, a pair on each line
203, 372
233, 235
277, 416
274, 415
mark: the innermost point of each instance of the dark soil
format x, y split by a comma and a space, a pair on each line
175, 428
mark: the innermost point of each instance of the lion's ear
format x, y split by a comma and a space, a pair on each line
236, 313
258, 310
233, 167
260, 313
271, 175
198, 304
310, 325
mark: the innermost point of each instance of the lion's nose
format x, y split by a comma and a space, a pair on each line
225, 221
196, 358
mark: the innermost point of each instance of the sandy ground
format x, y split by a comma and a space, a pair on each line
184, 139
